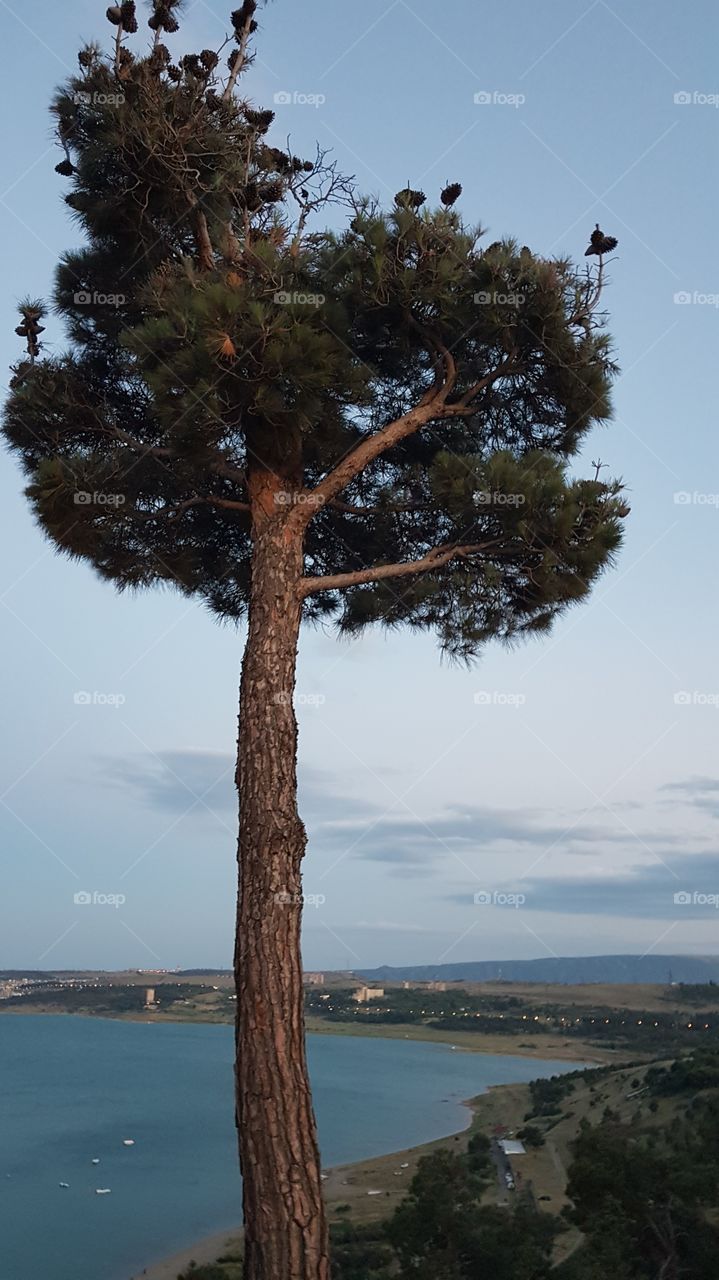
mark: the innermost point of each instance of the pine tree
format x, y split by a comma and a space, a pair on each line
371, 425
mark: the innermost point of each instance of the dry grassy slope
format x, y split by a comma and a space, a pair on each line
629, 996
545, 1168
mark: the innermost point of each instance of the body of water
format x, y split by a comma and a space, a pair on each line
73, 1089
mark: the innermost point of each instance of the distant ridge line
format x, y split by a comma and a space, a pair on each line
566, 970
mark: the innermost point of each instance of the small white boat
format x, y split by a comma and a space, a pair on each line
405, 1165
128, 1142
96, 1160
103, 1191
64, 1184
374, 1193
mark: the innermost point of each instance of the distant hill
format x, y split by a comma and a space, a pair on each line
568, 970
203, 973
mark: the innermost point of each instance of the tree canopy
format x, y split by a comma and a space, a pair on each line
416, 394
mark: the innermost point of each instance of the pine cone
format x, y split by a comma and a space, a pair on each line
65, 167
271, 192
114, 15
129, 19
260, 120
451, 194
192, 65
273, 158
410, 199
209, 59
239, 17
162, 19
159, 58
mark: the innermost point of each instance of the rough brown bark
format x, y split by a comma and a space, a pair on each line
285, 1228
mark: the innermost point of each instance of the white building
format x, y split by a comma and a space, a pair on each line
364, 994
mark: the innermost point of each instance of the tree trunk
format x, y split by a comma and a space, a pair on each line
285, 1228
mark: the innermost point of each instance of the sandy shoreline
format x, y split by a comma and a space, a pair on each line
206, 1250
343, 1184
541, 1047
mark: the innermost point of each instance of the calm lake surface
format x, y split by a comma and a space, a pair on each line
73, 1088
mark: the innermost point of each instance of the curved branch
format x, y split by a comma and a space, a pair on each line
174, 513
507, 366
239, 59
434, 559
365, 452
432, 406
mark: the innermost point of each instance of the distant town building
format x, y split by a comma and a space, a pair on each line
315, 979
364, 994
150, 1000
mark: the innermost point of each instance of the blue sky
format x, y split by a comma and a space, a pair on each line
580, 771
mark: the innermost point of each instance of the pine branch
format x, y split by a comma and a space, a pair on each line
173, 513
432, 406
205, 251
435, 559
501, 371
364, 453
241, 55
